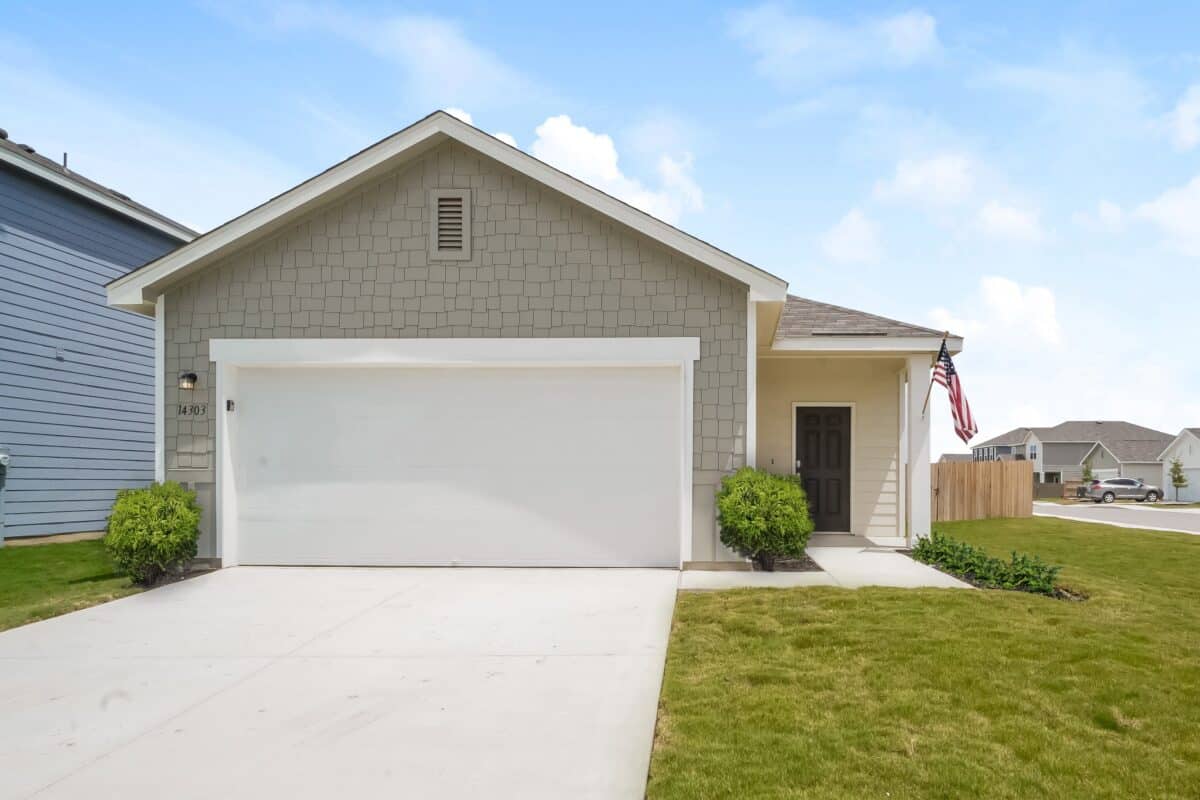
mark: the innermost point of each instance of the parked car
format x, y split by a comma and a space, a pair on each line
1107, 491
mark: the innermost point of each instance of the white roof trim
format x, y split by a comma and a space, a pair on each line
1182, 434
867, 344
95, 196
142, 285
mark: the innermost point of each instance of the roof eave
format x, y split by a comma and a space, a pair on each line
97, 197
867, 344
145, 284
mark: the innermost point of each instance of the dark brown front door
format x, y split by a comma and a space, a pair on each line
823, 464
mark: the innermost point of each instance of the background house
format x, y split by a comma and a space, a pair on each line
77, 405
1113, 448
1185, 447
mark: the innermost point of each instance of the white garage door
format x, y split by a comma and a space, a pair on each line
481, 466
1191, 492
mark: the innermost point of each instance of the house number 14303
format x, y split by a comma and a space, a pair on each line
193, 410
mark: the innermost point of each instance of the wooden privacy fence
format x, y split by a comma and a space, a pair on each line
981, 489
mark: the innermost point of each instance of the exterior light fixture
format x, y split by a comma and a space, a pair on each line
187, 380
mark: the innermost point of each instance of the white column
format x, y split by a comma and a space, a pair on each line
918, 446
751, 383
902, 454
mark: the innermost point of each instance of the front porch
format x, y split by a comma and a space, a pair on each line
838, 399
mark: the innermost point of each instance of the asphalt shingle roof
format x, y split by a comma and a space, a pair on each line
27, 153
1126, 441
803, 318
1015, 436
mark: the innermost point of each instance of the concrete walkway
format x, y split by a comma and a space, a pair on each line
1121, 515
331, 682
847, 561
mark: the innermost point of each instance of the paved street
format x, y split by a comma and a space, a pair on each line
1130, 516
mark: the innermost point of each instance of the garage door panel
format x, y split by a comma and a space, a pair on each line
472, 466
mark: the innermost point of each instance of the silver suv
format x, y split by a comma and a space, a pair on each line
1123, 489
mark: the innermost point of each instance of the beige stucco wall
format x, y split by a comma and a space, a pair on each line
541, 266
872, 385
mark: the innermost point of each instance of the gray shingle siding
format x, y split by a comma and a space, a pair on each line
540, 266
79, 426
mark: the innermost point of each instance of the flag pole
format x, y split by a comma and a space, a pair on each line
929, 391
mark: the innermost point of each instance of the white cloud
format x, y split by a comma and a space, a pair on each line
466, 117
1176, 212
592, 157
1009, 222
797, 49
1182, 123
440, 63
1019, 365
942, 180
1108, 217
1004, 309
853, 240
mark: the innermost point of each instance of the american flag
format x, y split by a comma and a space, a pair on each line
945, 374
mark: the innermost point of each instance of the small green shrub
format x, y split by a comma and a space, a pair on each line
763, 516
152, 532
1023, 573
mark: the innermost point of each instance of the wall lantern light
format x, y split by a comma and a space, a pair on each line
187, 380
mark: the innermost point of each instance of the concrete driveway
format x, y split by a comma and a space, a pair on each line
1140, 515
354, 683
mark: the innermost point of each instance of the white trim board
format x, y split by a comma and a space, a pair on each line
97, 197
868, 344
160, 387
229, 354
139, 287
853, 440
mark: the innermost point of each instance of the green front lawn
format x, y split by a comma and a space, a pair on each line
46, 580
832, 693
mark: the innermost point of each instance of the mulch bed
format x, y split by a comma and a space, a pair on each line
802, 564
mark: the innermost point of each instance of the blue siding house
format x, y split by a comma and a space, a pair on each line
76, 375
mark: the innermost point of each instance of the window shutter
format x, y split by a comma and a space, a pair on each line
450, 234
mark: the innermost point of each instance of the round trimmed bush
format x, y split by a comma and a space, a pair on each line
152, 532
763, 516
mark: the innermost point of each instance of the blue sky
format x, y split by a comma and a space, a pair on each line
1027, 174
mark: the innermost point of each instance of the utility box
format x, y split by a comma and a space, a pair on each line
5, 460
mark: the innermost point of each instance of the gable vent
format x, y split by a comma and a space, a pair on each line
450, 237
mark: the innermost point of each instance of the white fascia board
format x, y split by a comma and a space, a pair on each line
868, 344
152, 278
1183, 434
649, 351
94, 196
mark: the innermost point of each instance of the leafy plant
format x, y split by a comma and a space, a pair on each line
763, 516
1088, 476
1178, 479
1023, 573
152, 532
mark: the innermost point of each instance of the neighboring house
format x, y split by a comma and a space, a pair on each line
76, 376
1186, 448
444, 351
1112, 449
1005, 447
955, 458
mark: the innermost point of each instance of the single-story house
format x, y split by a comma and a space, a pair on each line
444, 351
1186, 448
956, 458
76, 375
1112, 448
